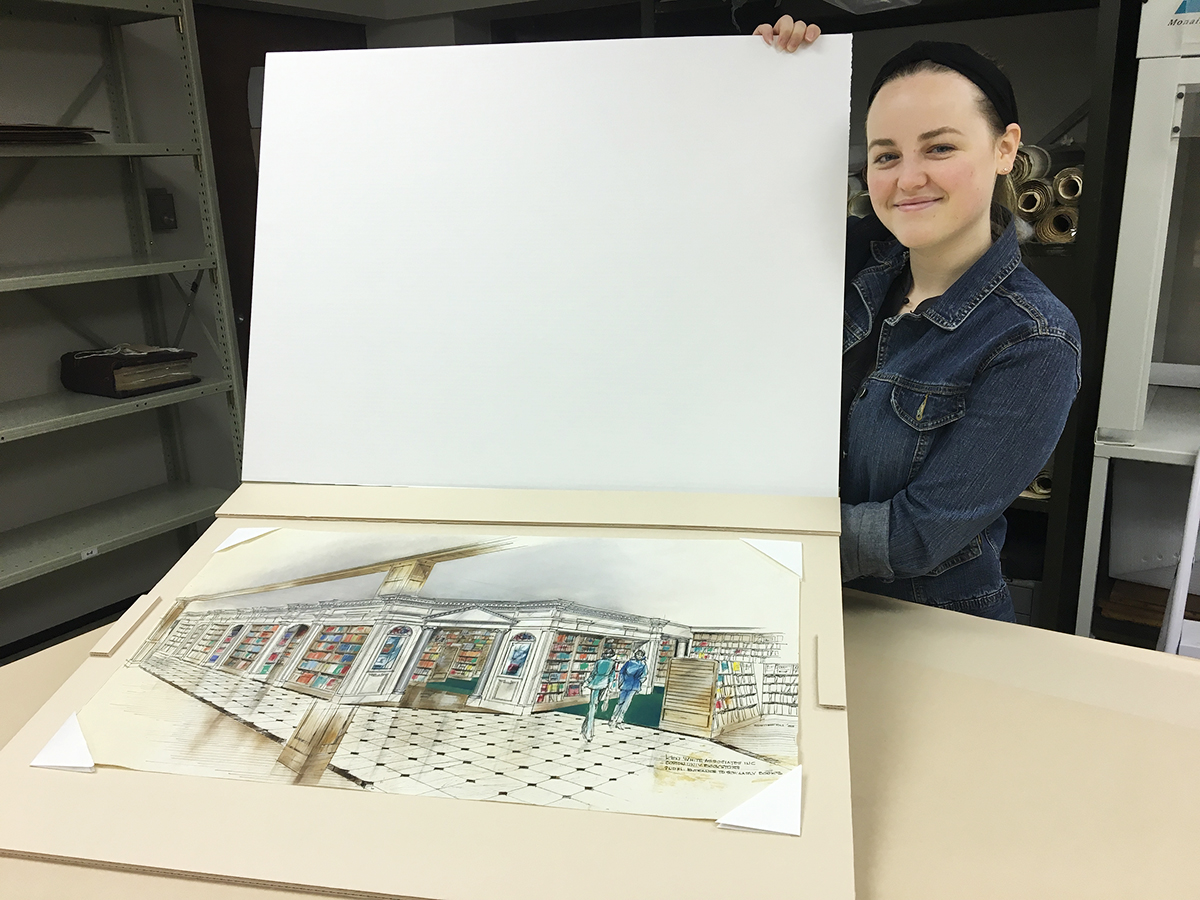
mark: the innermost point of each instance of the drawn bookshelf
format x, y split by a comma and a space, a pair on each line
224, 644
424, 666
666, 651
621, 647
330, 656
556, 672
780, 689
468, 665
735, 645
570, 662
472, 646
208, 641
278, 658
244, 654
736, 697
179, 637
587, 652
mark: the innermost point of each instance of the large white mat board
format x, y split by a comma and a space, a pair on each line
603, 265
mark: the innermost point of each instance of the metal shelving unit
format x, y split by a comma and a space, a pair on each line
24, 278
80, 535
109, 12
45, 413
43, 151
147, 85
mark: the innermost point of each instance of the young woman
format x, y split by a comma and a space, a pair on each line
958, 365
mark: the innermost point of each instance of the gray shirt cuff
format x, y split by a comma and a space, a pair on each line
865, 529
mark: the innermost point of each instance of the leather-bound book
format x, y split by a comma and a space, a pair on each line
127, 370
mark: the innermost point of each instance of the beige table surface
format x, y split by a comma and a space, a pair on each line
988, 760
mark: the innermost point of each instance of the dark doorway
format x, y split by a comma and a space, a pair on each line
231, 43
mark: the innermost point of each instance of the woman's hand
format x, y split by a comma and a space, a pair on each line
788, 34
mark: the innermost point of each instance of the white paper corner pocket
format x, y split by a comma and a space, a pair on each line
789, 554
67, 750
774, 809
241, 535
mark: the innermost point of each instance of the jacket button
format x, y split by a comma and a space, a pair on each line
862, 392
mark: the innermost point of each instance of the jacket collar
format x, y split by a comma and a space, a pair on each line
952, 308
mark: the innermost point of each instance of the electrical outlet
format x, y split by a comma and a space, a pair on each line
161, 206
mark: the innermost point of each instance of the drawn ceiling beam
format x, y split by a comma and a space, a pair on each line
404, 575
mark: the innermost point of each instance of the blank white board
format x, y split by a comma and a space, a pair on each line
591, 265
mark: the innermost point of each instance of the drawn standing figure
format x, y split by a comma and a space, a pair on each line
602, 676
631, 674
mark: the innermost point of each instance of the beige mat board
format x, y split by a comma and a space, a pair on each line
176, 823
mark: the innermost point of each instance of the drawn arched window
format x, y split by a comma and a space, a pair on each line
390, 651
518, 654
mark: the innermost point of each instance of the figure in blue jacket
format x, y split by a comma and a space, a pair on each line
631, 674
602, 676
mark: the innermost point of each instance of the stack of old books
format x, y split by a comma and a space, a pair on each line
127, 370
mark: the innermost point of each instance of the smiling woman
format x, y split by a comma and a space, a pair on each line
958, 365
938, 187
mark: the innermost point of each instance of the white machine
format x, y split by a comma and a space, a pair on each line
1149, 415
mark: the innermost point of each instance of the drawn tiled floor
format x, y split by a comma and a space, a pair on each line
540, 759
155, 726
533, 759
266, 707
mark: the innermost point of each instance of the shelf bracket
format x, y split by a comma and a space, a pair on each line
208, 336
189, 302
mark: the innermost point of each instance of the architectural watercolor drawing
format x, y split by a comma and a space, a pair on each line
654, 676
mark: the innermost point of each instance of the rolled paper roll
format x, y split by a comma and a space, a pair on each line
1020, 169
1057, 225
1031, 162
1034, 198
1068, 186
1042, 484
859, 204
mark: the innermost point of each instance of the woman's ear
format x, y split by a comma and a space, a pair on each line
1006, 148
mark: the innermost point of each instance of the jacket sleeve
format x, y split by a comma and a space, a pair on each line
1016, 411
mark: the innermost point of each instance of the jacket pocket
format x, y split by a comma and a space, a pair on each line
925, 410
973, 550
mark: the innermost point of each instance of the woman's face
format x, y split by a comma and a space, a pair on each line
932, 160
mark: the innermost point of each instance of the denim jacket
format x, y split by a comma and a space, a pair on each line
967, 400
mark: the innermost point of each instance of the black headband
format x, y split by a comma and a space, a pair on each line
965, 61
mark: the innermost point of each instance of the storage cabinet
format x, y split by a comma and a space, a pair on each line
1150, 398
84, 266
